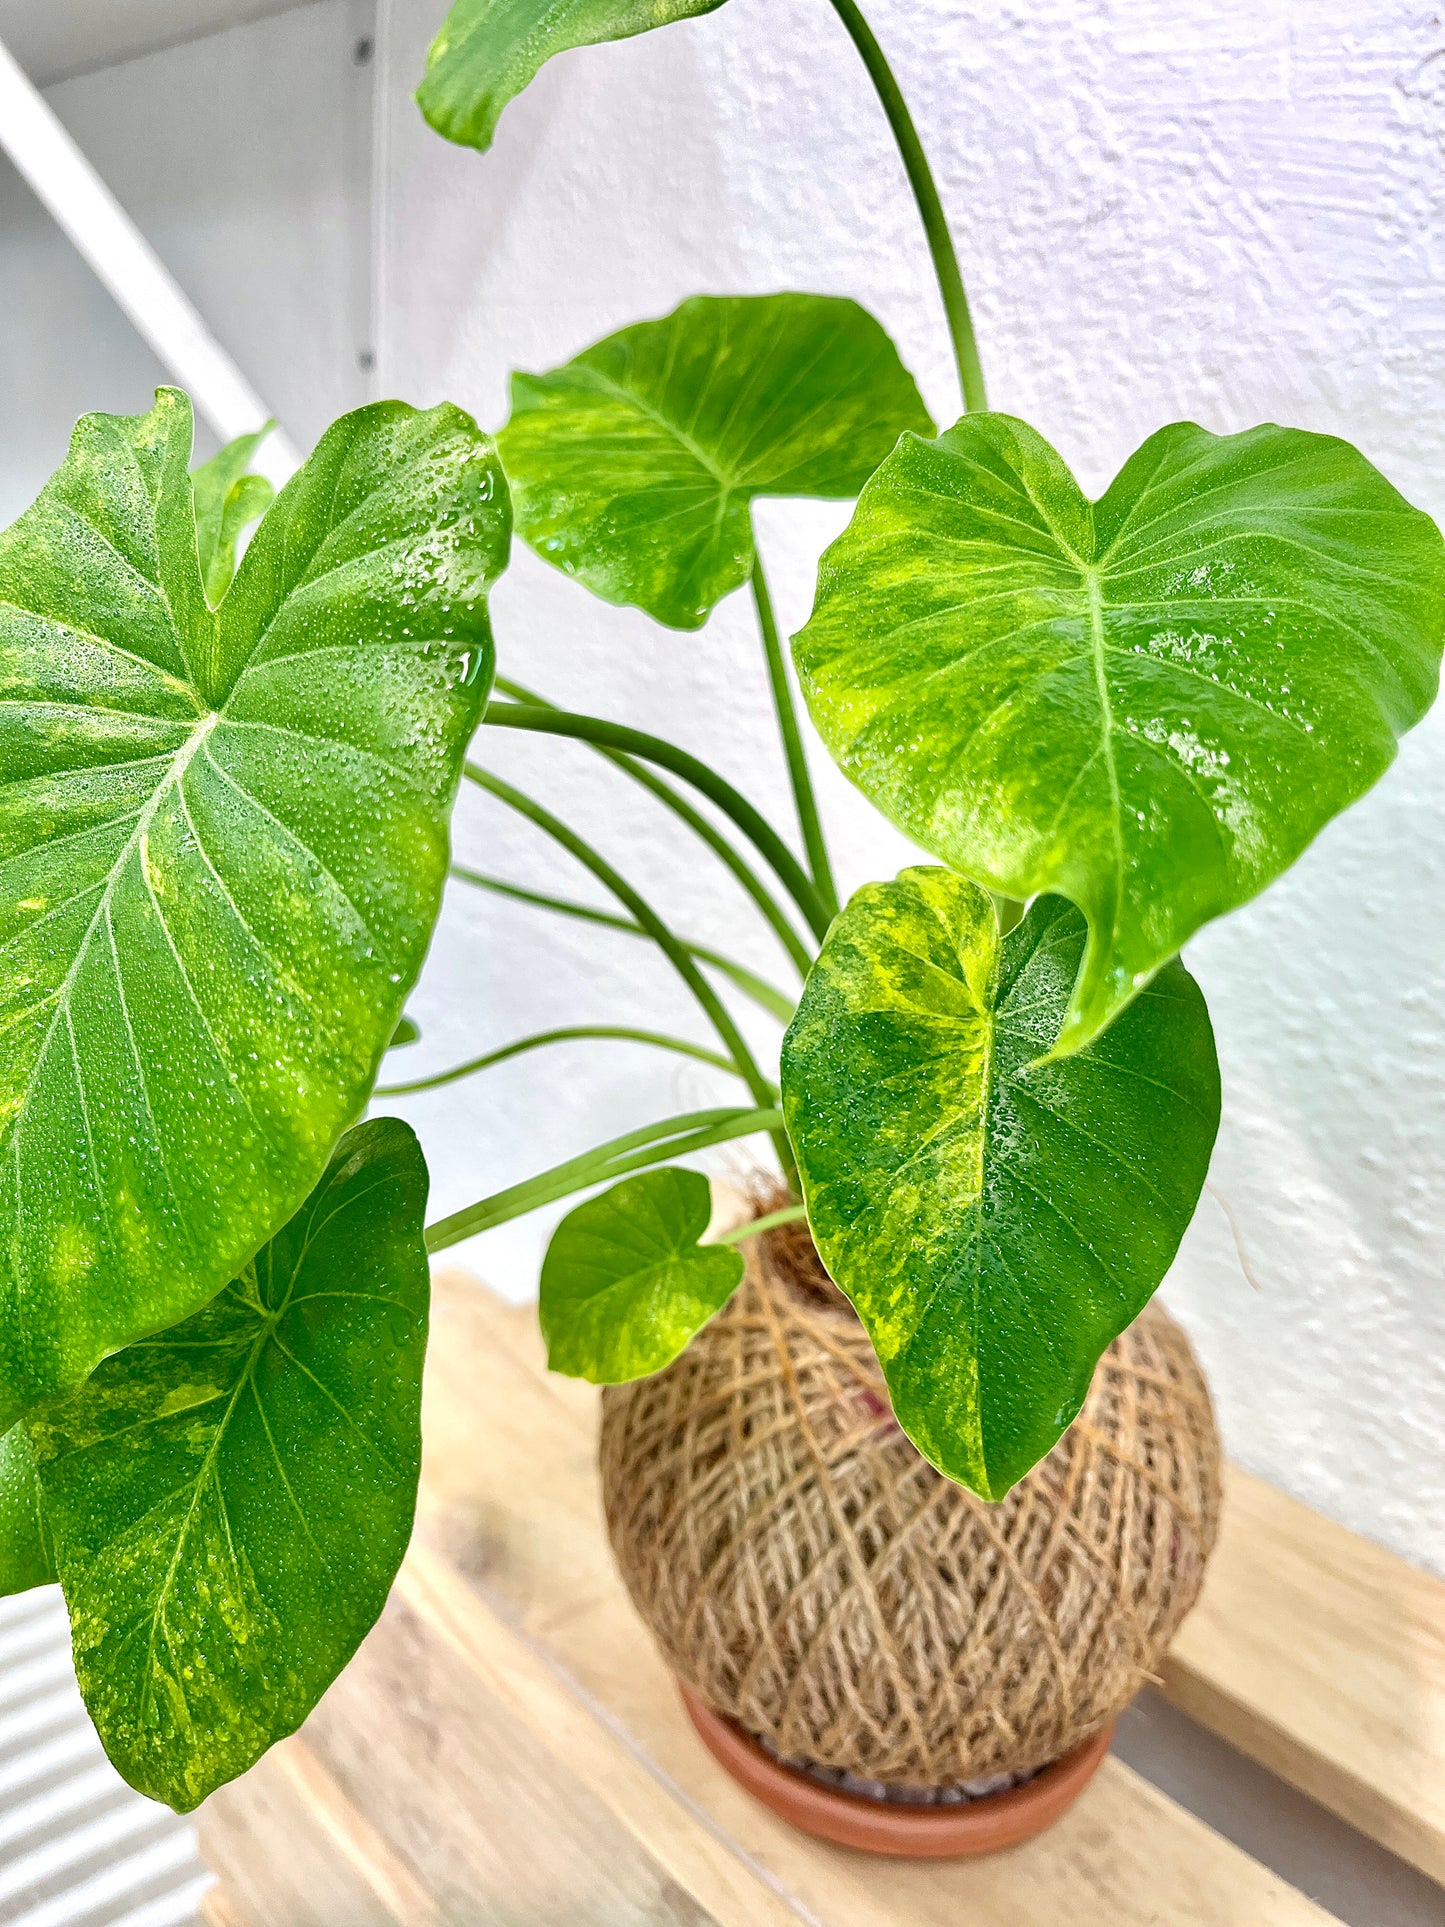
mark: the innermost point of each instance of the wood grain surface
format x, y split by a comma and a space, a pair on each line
1323, 1657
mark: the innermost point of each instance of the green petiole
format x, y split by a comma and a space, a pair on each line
713, 1007
930, 206
652, 1144
635, 742
804, 800
765, 995
569, 1035
770, 909
790, 1214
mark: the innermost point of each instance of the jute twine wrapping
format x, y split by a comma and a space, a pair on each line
815, 1579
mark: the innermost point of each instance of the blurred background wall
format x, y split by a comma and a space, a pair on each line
1231, 210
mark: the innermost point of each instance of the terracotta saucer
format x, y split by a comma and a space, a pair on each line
876, 1826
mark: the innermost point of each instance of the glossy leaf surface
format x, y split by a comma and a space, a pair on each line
228, 501
26, 1556
632, 467
1149, 704
489, 50
626, 1284
230, 1500
223, 839
996, 1220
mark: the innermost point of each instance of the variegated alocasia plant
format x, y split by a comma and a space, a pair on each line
1109, 721
224, 804
225, 788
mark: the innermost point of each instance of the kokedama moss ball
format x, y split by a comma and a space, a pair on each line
812, 1577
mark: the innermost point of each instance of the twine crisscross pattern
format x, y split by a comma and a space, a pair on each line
812, 1577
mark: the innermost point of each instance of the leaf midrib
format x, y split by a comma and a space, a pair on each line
269, 1323
180, 763
1098, 647
202, 1476
633, 1282
990, 1033
728, 484
1091, 574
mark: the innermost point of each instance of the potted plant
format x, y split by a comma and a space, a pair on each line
226, 791
1108, 722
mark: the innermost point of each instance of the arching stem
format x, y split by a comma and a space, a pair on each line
790, 1214
804, 800
634, 742
930, 207
765, 995
771, 910
642, 912
673, 1137
569, 1034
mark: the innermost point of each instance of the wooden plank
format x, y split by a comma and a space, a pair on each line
1323, 1657
292, 1851
216, 1910
498, 1789
500, 1841
599, 1756
511, 1570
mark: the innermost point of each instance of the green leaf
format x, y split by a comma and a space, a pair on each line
489, 50
626, 1284
26, 1556
228, 501
633, 466
405, 1033
223, 840
230, 1500
997, 1220
1149, 704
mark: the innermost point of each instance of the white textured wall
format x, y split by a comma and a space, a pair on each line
1226, 209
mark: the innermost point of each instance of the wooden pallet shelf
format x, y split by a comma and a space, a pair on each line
1323, 1658
508, 1748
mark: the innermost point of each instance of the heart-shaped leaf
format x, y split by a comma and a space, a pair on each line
230, 1500
626, 1284
228, 501
489, 50
26, 1556
632, 467
1150, 703
996, 1220
223, 840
